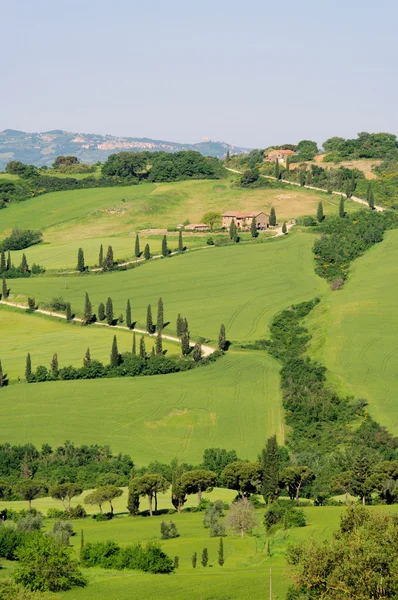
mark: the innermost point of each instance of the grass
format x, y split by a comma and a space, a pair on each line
356, 332
242, 286
42, 337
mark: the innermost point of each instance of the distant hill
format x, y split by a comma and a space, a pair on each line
42, 148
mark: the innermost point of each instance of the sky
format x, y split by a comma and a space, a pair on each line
250, 74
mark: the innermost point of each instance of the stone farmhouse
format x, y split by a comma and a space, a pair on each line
243, 220
279, 155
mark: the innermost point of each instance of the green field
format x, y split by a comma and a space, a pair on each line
243, 287
356, 332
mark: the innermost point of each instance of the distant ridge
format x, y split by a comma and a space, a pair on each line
42, 148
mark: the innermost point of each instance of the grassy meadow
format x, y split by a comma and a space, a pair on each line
242, 287
356, 332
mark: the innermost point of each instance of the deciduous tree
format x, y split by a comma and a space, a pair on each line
293, 478
198, 481
241, 517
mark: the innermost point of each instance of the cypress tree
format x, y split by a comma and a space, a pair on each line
137, 246
134, 347
302, 177
288, 164
4, 290
180, 325
101, 311
159, 343
88, 311
133, 503
348, 189
185, 326
221, 553
185, 345
114, 353
80, 260
101, 256
269, 461
371, 200
149, 320
309, 176
368, 188
227, 157
222, 339
24, 264
3, 377
284, 228
109, 261
121, 318
272, 217
353, 183
3, 261
142, 347
28, 367
54, 366
180, 242
232, 231
360, 472
341, 207
128, 314
160, 319
68, 311
194, 560
253, 228
319, 212
197, 352
109, 311
147, 252
153, 352
205, 557
87, 358
176, 562
9, 264
165, 250
277, 169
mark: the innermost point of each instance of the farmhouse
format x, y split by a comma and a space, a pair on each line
197, 227
279, 155
243, 220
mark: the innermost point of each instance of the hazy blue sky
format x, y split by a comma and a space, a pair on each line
249, 73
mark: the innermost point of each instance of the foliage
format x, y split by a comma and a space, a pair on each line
244, 477
21, 238
109, 555
198, 481
284, 513
168, 530
241, 517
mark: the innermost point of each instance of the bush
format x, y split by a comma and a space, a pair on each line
168, 530
10, 541
22, 238
337, 284
32, 522
284, 513
109, 555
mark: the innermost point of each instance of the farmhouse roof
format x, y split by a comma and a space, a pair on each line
243, 215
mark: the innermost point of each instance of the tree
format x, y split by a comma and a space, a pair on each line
213, 219
29, 490
253, 228
147, 252
87, 358
241, 517
101, 311
370, 197
277, 171
28, 367
227, 157
232, 231
272, 217
109, 260
180, 242
165, 250
88, 311
109, 493
3, 377
142, 347
269, 461
178, 495
109, 311
149, 320
137, 251
360, 473
65, 492
348, 191
46, 566
309, 176
194, 560
31, 303
341, 207
216, 459
95, 498
302, 177
185, 343
244, 477
128, 314
319, 213
133, 503
205, 557
197, 352
198, 481
4, 294
288, 165
160, 319
222, 338
24, 264
115, 356
359, 561
221, 553
180, 326
101, 256
149, 485
9, 264
2, 261
159, 343
284, 228
54, 366
307, 149
80, 260
134, 346
68, 312
294, 477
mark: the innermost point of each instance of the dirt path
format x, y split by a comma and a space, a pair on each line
311, 187
206, 350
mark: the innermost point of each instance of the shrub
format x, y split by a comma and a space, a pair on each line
22, 238
168, 530
10, 541
284, 513
31, 304
109, 555
337, 284
32, 522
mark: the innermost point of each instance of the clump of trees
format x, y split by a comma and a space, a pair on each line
109, 555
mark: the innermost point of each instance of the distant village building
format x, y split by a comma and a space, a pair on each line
197, 227
279, 155
243, 220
